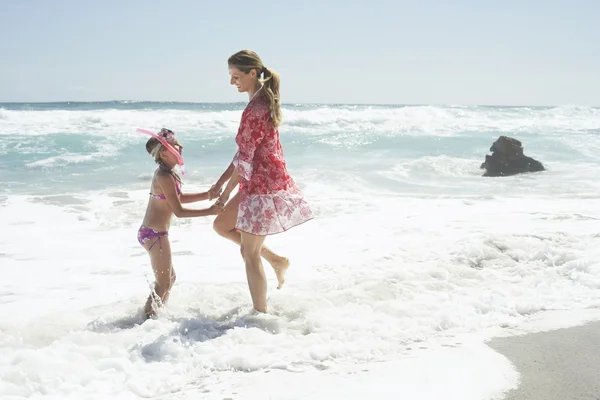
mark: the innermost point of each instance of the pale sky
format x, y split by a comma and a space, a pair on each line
506, 52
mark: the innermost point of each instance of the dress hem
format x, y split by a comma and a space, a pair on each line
274, 233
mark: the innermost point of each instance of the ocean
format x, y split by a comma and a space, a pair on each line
412, 262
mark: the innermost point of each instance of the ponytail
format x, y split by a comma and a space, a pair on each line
271, 88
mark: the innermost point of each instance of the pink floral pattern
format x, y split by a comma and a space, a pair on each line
270, 201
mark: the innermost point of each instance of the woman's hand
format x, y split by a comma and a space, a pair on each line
233, 182
214, 191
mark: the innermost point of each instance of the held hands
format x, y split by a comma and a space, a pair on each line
214, 191
223, 199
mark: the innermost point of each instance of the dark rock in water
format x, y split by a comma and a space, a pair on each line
508, 159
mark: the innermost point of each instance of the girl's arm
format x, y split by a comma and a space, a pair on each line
167, 184
193, 197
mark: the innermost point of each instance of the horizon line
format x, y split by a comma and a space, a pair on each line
125, 101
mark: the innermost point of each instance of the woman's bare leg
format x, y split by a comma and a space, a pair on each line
257, 282
164, 274
224, 225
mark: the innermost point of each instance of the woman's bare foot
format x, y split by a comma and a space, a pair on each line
280, 265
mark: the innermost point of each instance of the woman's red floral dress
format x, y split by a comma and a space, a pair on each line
270, 201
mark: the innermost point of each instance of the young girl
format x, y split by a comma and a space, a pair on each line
165, 200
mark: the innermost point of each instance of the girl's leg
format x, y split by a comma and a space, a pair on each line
224, 225
257, 282
164, 274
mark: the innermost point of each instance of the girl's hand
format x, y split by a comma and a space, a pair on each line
215, 209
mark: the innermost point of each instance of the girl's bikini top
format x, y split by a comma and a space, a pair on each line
162, 196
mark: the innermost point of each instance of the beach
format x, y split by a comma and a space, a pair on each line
562, 364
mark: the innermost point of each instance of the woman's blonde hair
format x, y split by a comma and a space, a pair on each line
246, 61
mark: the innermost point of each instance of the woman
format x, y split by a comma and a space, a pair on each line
268, 201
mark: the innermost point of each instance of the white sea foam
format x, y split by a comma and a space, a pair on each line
412, 261
374, 279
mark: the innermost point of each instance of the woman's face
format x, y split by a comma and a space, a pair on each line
243, 81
